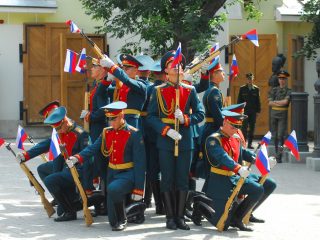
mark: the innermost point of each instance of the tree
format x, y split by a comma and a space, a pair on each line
311, 13
163, 23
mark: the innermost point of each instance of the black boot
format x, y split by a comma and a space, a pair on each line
69, 212
189, 203
181, 207
202, 209
96, 200
121, 217
169, 207
241, 212
53, 203
253, 219
157, 197
148, 194
203, 198
135, 212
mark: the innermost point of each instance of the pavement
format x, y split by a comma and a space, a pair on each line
291, 212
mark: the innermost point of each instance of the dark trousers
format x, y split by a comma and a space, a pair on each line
251, 123
279, 125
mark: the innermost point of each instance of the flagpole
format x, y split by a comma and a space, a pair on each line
176, 122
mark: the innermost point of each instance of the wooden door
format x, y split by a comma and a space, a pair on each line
74, 85
257, 60
295, 65
41, 67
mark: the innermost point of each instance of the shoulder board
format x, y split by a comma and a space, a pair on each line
107, 129
162, 85
187, 86
132, 128
78, 129
242, 86
255, 86
217, 136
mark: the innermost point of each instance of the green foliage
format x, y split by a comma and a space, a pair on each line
311, 14
163, 23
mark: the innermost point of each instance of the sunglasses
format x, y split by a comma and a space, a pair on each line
110, 119
236, 126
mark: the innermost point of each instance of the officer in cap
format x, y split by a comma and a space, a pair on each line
250, 94
162, 117
279, 100
132, 91
61, 184
224, 152
123, 145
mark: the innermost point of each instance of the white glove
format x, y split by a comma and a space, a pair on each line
204, 68
71, 161
272, 162
136, 197
179, 115
20, 157
83, 113
174, 134
244, 171
106, 62
187, 77
110, 77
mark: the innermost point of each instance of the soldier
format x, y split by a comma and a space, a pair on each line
133, 91
162, 115
279, 100
61, 184
224, 150
123, 145
250, 94
213, 103
43, 147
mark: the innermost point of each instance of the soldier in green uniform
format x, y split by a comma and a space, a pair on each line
250, 94
279, 100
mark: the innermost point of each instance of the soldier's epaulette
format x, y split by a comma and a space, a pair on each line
187, 86
255, 86
107, 129
162, 85
78, 129
133, 129
243, 85
217, 136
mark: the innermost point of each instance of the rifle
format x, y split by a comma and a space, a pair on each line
43, 156
86, 107
206, 57
47, 206
75, 175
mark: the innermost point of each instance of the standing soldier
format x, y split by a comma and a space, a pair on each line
132, 91
213, 103
250, 94
162, 116
279, 100
123, 145
224, 151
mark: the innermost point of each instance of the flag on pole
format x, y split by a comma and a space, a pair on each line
266, 139
262, 161
54, 150
73, 27
2, 141
252, 35
292, 144
82, 63
215, 60
177, 58
70, 62
21, 137
234, 69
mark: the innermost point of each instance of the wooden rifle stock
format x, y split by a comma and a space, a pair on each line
86, 107
43, 156
75, 175
47, 206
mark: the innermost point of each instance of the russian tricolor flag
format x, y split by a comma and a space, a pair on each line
71, 61
2, 141
177, 57
82, 63
215, 60
252, 36
234, 69
262, 161
292, 144
73, 27
21, 137
54, 150
266, 139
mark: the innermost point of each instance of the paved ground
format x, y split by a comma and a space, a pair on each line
292, 212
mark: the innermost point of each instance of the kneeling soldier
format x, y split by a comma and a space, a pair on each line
124, 146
